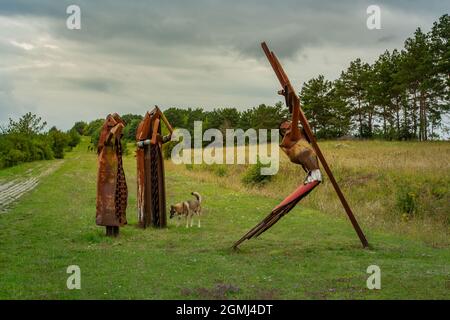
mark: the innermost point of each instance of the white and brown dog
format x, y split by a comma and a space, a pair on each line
188, 209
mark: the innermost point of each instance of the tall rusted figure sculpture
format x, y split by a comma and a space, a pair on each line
151, 194
301, 147
112, 190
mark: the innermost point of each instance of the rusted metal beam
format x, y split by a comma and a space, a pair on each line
278, 212
112, 189
286, 85
151, 198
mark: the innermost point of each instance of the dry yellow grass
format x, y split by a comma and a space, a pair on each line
374, 175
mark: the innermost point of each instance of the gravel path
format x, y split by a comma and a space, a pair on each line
11, 191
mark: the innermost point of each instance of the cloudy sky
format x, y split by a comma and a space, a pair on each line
131, 55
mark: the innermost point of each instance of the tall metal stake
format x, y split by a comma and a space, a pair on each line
289, 90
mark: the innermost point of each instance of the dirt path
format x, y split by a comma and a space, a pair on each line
11, 191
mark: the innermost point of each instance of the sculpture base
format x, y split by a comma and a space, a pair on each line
112, 231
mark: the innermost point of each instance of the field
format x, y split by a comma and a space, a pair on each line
399, 192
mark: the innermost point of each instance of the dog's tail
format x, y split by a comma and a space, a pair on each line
198, 196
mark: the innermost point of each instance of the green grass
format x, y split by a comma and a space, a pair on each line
26, 170
307, 255
399, 187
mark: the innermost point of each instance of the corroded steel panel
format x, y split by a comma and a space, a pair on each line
112, 189
151, 194
279, 211
301, 147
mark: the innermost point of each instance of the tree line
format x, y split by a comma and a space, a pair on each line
260, 117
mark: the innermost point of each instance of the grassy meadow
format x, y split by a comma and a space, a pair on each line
402, 187
398, 191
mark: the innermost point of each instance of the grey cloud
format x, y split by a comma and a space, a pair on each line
186, 53
95, 84
196, 25
386, 38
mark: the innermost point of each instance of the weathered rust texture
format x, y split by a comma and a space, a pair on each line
112, 189
278, 212
151, 195
307, 159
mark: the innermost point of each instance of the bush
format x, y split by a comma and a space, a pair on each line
74, 138
24, 141
253, 175
16, 148
125, 150
95, 137
80, 127
14, 157
407, 201
220, 170
44, 149
93, 127
167, 149
59, 140
129, 132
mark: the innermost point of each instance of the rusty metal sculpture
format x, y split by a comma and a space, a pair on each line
111, 184
301, 147
151, 195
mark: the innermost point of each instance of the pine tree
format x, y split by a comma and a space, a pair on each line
326, 111
353, 84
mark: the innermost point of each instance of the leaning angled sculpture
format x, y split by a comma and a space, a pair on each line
151, 195
301, 147
111, 184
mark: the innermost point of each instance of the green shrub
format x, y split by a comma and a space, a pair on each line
167, 149
129, 132
14, 157
74, 138
80, 127
24, 140
59, 140
407, 201
95, 137
125, 150
44, 149
253, 175
93, 127
16, 148
220, 170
